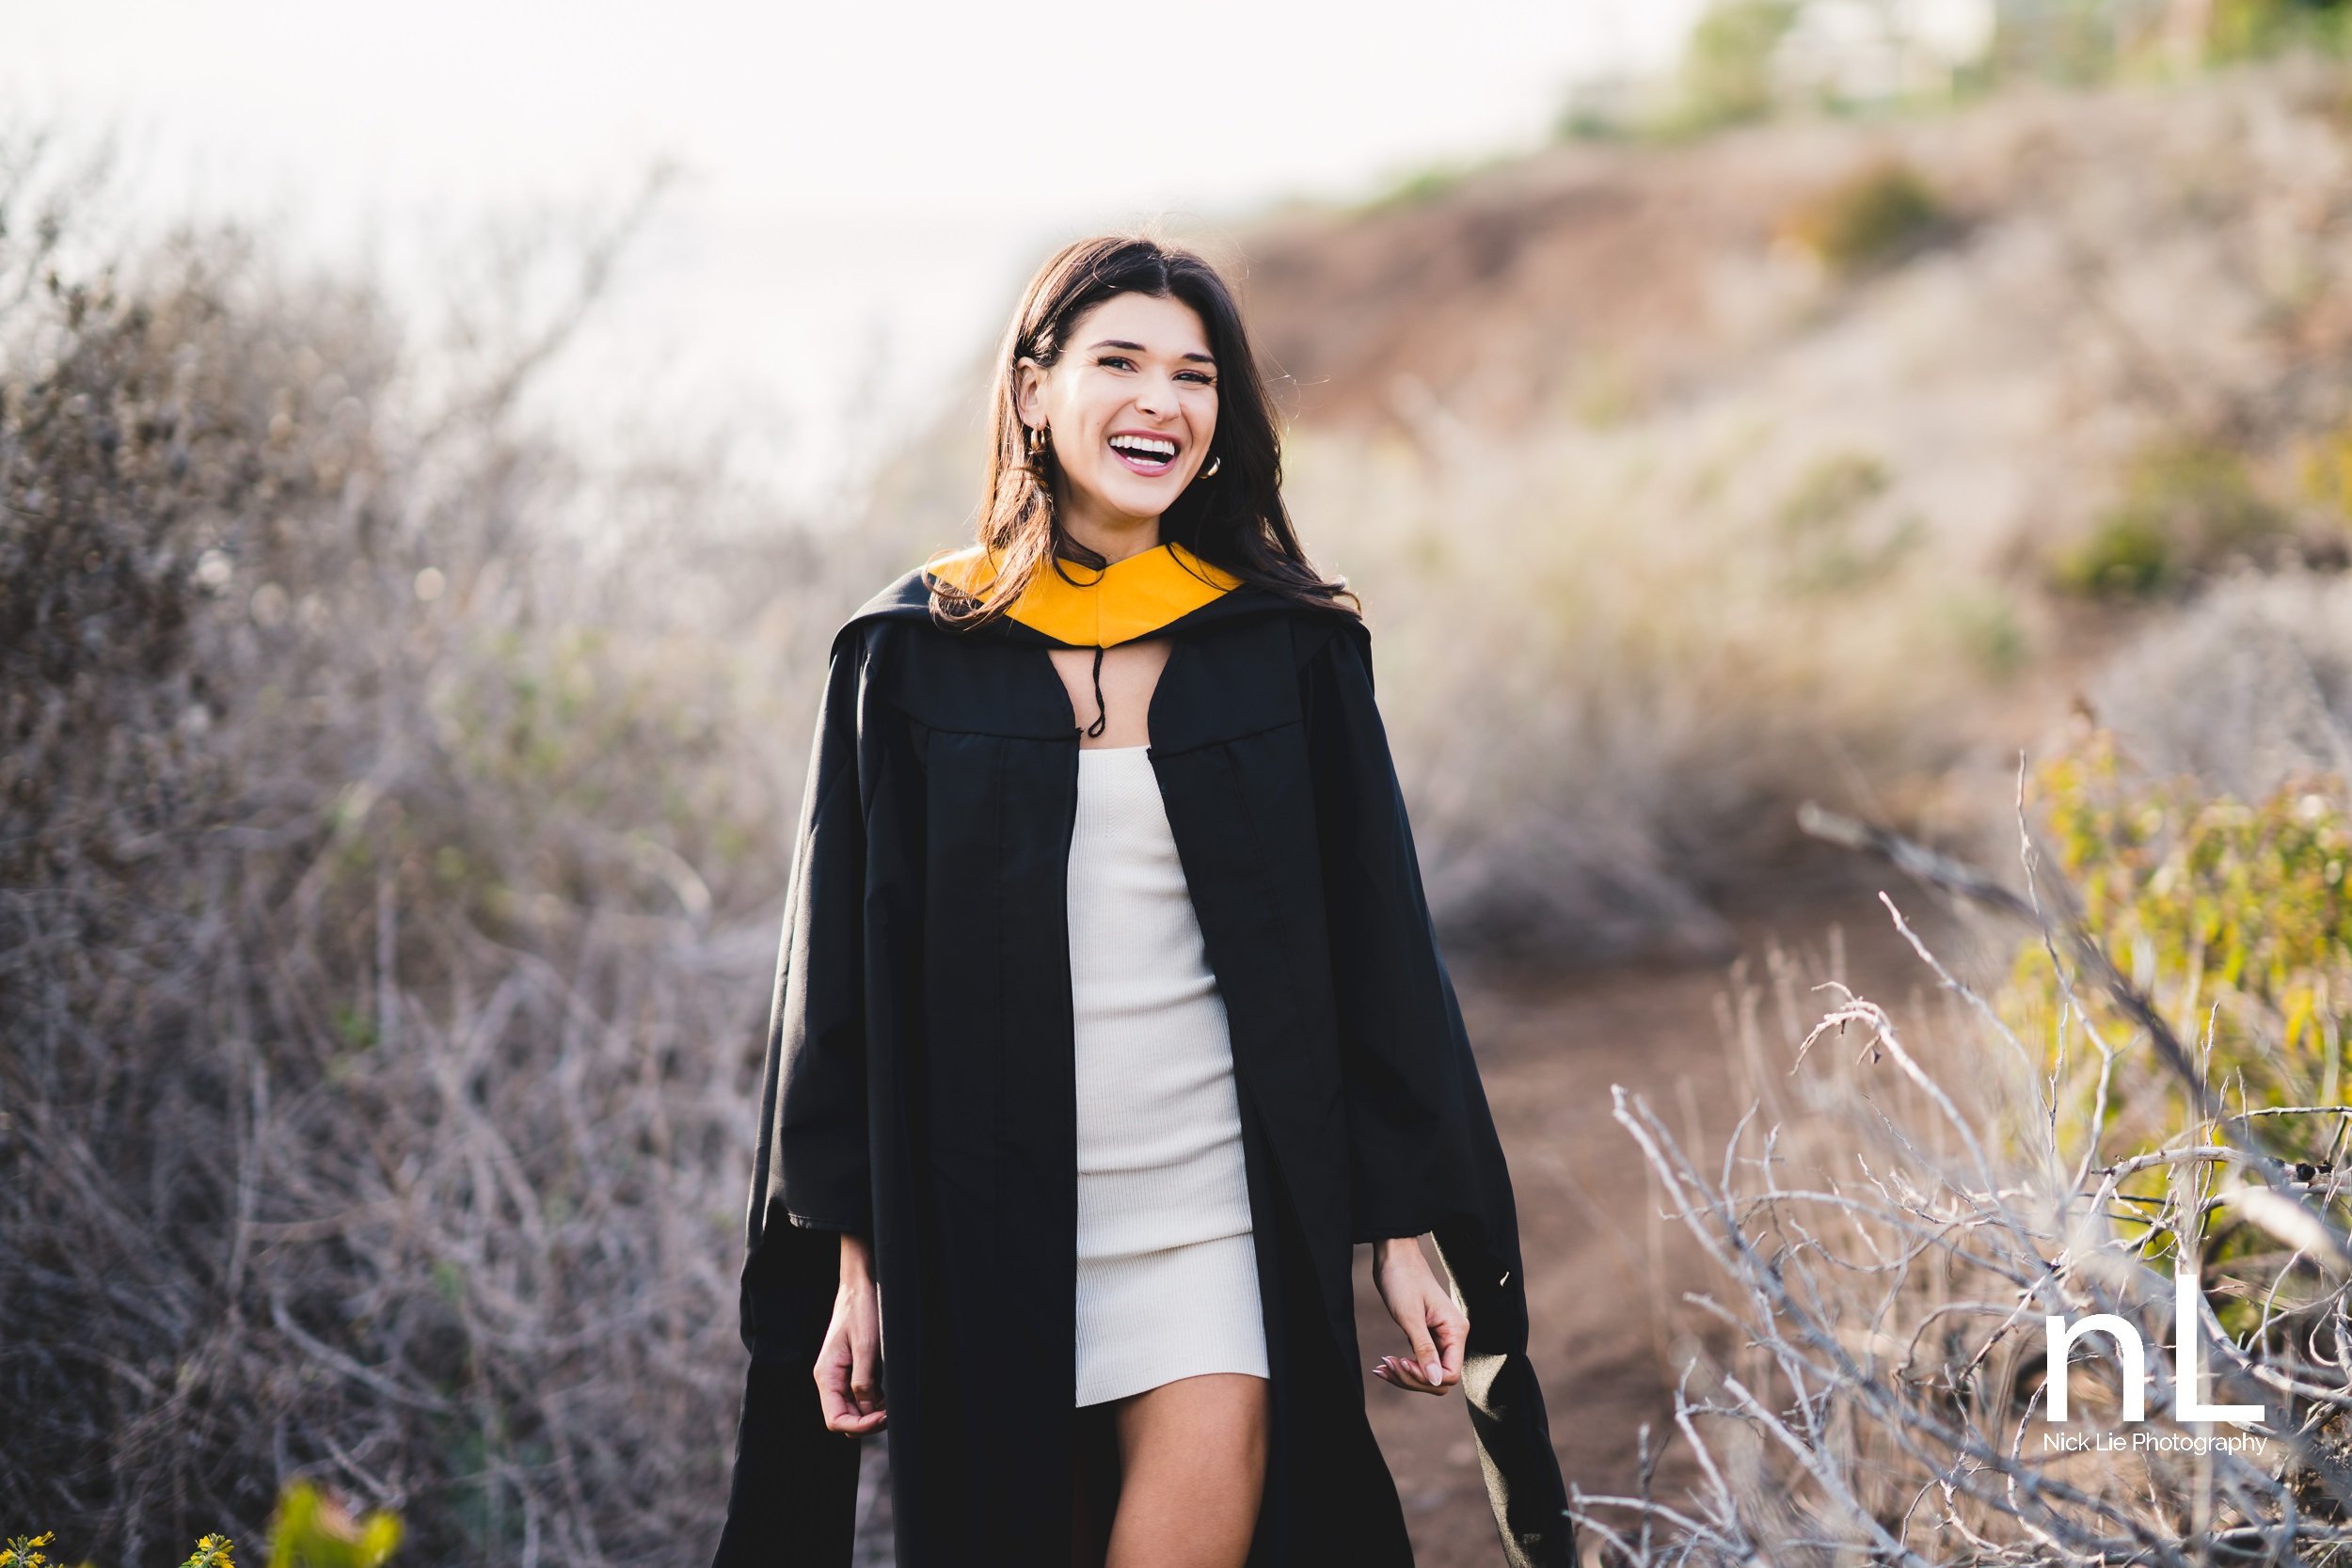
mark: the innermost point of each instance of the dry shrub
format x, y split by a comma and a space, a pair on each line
2251, 684
1896, 1216
1614, 663
390, 808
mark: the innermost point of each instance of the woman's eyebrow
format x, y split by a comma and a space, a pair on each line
1122, 342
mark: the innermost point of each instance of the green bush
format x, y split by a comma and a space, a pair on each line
1881, 214
2128, 554
2231, 917
2186, 506
1727, 73
2248, 29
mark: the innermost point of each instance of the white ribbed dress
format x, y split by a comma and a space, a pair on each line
1168, 1272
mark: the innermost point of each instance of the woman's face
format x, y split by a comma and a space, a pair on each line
1130, 408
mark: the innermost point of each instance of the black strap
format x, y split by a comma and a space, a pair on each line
1101, 713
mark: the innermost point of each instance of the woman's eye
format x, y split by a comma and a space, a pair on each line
1123, 362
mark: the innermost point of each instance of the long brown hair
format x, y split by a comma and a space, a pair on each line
1234, 519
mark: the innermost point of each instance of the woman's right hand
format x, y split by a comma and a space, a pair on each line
849, 1364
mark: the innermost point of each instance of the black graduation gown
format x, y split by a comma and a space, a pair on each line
919, 1088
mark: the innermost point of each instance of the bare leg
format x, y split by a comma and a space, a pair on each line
1193, 1457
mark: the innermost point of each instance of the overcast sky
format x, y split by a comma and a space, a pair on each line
866, 186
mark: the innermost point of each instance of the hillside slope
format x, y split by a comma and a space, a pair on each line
2097, 264
1688, 482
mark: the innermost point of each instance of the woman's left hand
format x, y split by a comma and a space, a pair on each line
1436, 1328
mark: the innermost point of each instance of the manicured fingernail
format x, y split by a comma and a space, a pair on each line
1436, 1372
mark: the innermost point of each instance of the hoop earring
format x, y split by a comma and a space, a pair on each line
1037, 437
1214, 464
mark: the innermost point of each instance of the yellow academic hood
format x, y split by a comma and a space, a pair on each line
1127, 599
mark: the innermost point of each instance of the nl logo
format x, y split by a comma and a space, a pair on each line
2133, 1351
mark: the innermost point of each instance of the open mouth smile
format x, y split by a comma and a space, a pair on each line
1149, 455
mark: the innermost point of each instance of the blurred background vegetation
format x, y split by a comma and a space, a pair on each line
392, 801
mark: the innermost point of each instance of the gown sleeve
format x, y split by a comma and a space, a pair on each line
812, 1168
793, 1500
1403, 1064
1423, 1154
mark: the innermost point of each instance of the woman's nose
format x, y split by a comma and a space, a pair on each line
1157, 397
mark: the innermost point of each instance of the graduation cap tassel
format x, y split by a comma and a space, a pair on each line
1101, 713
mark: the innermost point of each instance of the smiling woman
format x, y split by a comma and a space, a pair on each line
1109, 1019
1166, 395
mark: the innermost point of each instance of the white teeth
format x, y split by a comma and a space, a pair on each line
1145, 446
